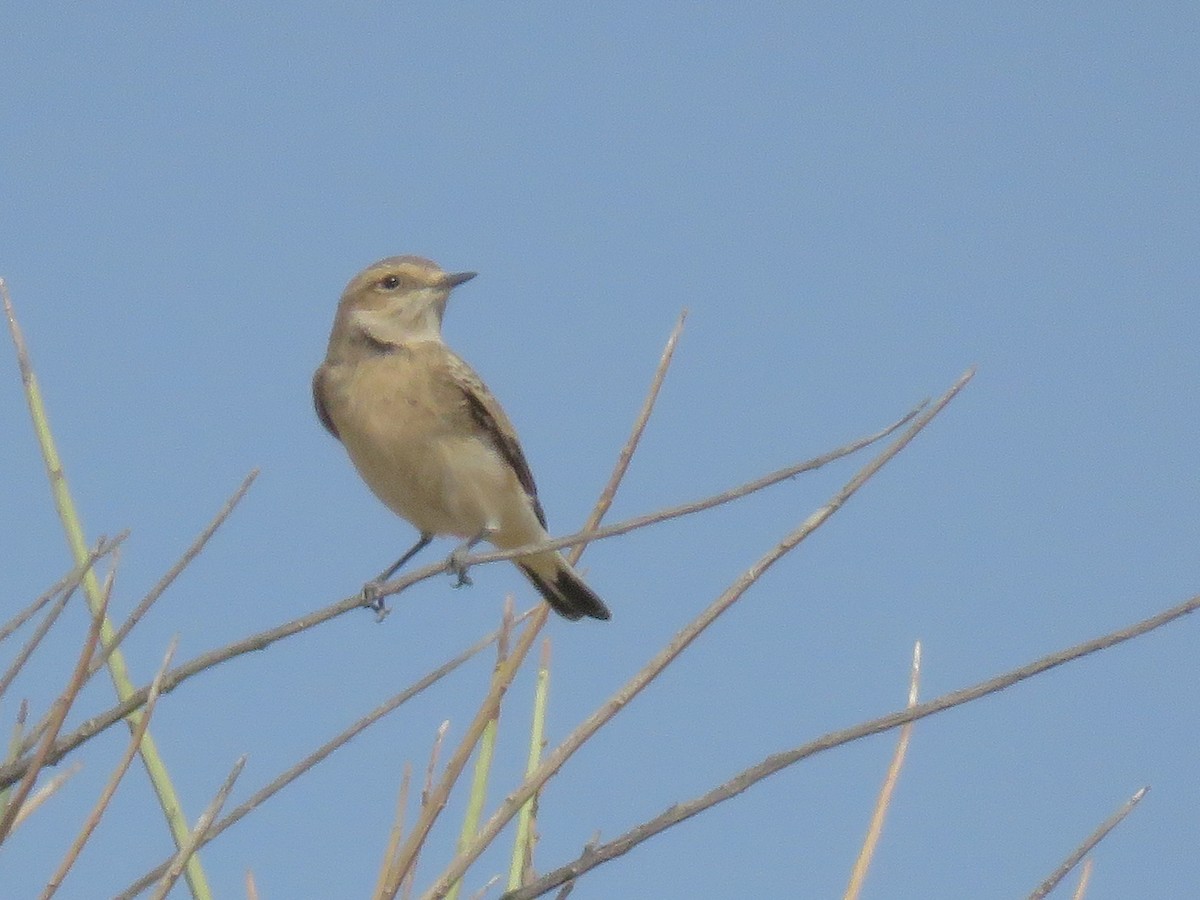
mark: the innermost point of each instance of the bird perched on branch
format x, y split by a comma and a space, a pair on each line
426, 434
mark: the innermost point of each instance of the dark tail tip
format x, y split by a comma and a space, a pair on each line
568, 595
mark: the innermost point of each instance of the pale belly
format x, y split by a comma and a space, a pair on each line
443, 484
427, 464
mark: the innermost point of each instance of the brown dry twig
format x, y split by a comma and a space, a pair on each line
192, 844
1091, 841
55, 718
507, 670
114, 780
68, 582
182, 563
680, 642
11, 772
283, 780
680, 811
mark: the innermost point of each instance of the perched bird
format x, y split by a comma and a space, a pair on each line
426, 434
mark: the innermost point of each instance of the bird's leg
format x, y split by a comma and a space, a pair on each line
371, 589
457, 566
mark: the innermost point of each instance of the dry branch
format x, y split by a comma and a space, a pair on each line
679, 643
1091, 841
680, 811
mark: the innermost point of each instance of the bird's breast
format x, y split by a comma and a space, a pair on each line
415, 446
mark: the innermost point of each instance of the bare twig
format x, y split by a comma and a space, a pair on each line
605, 501
589, 535
33, 643
1083, 849
14, 747
182, 563
487, 748
859, 874
679, 812
505, 672
261, 796
9, 773
397, 832
106, 590
69, 586
68, 582
110, 788
479, 894
434, 752
44, 793
440, 792
192, 844
555, 760
62, 705
64, 503
1085, 875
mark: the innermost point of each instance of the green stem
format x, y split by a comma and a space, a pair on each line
68, 515
523, 845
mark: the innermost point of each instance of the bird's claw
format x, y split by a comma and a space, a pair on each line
458, 568
373, 600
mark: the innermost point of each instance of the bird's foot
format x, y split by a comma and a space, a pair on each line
373, 600
457, 564
458, 567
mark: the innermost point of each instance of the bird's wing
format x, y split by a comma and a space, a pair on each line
318, 391
494, 427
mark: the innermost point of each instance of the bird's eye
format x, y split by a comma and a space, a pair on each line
389, 282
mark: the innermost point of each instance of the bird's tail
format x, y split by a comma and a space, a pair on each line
563, 589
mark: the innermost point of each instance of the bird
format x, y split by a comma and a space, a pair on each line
427, 435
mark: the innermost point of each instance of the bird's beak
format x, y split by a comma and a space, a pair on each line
456, 278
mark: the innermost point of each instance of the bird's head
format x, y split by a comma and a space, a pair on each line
399, 299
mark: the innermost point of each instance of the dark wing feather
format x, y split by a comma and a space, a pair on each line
498, 430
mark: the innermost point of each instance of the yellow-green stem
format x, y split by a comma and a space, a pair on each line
479, 780
522, 847
155, 768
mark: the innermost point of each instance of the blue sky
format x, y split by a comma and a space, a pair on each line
855, 205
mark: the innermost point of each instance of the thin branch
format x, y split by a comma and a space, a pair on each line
1085, 875
605, 501
434, 752
192, 844
14, 747
426, 799
64, 503
482, 892
677, 813
114, 780
587, 536
31, 645
68, 582
182, 563
9, 773
505, 672
279, 783
1086, 847
62, 705
859, 874
44, 793
486, 751
106, 590
679, 643
439, 794
397, 832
